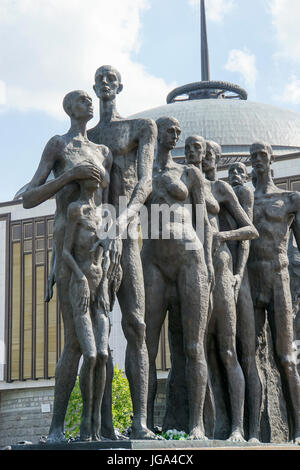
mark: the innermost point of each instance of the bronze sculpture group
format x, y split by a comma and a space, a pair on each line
220, 272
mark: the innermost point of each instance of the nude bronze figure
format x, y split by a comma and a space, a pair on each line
246, 342
171, 270
72, 158
132, 145
275, 212
222, 326
91, 298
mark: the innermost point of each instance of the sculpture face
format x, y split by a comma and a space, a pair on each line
209, 161
237, 174
261, 161
82, 107
78, 104
168, 134
107, 83
194, 150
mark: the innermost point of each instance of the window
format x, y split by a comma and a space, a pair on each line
27, 246
16, 232
35, 327
295, 185
28, 231
40, 229
282, 185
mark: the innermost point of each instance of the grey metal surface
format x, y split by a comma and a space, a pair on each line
232, 122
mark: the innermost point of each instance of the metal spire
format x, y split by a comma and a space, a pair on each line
206, 89
205, 72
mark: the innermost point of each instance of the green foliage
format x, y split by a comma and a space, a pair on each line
74, 410
121, 406
175, 435
121, 401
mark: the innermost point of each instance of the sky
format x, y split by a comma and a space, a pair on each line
50, 47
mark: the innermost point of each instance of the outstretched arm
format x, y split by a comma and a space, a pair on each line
197, 196
106, 175
39, 190
147, 138
246, 199
296, 223
67, 249
246, 229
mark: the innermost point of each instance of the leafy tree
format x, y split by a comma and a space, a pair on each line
74, 410
121, 406
121, 401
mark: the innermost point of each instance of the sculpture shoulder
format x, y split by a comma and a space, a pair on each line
94, 134
223, 188
244, 194
193, 172
295, 200
55, 145
144, 126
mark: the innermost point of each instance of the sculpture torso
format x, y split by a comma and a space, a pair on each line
171, 187
122, 137
272, 218
88, 222
222, 257
72, 152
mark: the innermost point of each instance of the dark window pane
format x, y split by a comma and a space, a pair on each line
16, 232
295, 186
282, 185
50, 227
40, 229
27, 230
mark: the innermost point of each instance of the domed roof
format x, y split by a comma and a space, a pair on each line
234, 124
211, 109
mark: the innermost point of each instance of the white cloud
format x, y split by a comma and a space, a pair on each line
291, 92
243, 62
2, 92
216, 9
286, 19
49, 47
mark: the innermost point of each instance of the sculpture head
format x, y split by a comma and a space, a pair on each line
78, 105
237, 174
168, 132
195, 148
261, 157
212, 156
108, 82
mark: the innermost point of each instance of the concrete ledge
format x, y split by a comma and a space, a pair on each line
154, 445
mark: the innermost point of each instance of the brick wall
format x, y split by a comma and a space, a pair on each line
25, 415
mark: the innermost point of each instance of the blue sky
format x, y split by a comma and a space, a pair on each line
49, 47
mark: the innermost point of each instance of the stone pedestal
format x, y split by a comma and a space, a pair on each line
152, 445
